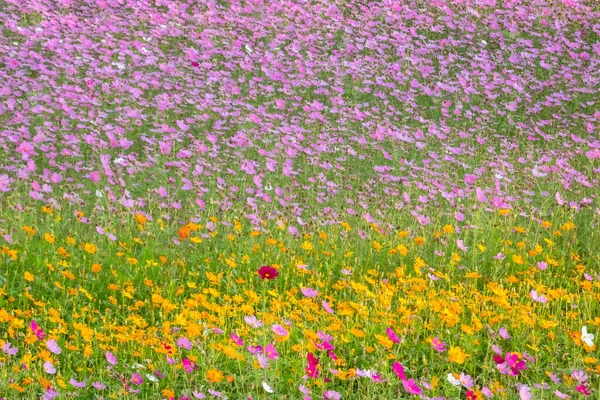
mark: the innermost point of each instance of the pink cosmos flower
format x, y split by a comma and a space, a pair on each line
253, 321
583, 389
279, 330
327, 307
411, 387
392, 335
50, 394
35, 329
503, 332
136, 379
254, 349
399, 370
76, 384
53, 346
99, 385
438, 345
309, 292
110, 357
263, 360
8, 349
271, 351
188, 365
184, 343
236, 339
49, 368
26, 150
332, 395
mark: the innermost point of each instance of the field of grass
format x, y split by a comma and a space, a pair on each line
299, 199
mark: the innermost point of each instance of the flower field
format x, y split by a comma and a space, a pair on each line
299, 199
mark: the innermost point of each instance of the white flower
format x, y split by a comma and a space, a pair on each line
151, 378
586, 337
267, 388
453, 381
99, 194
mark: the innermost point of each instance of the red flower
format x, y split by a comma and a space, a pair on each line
267, 272
471, 395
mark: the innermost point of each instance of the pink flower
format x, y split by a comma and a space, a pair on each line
516, 365
323, 346
525, 392
99, 385
25, 149
392, 335
539, 298
399, 370
50, 394
327, 307
438, 345
271, 351
53, 346
411, 387
236, 339
35, 329
253, 321
110, 357
184, 343
279, 330
76, 384
263, 360
49, 368
503, 332
309, 292
583, 389
188, 365
136, 379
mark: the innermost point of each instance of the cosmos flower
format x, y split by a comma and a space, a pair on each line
267, 272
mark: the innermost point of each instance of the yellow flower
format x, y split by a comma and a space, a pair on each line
28, 276
457, 355
419, 240
214, 375
90, 248
307, 246
49, 237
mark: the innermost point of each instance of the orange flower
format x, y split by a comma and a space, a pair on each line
214, 375
184, 232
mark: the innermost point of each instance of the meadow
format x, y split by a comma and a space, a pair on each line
299, 199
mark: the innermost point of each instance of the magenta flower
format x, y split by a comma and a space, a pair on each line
399, 370
236, 339
438, 345
136, 379
36, 330
188, 365
411, 387
271, 351
392, 335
